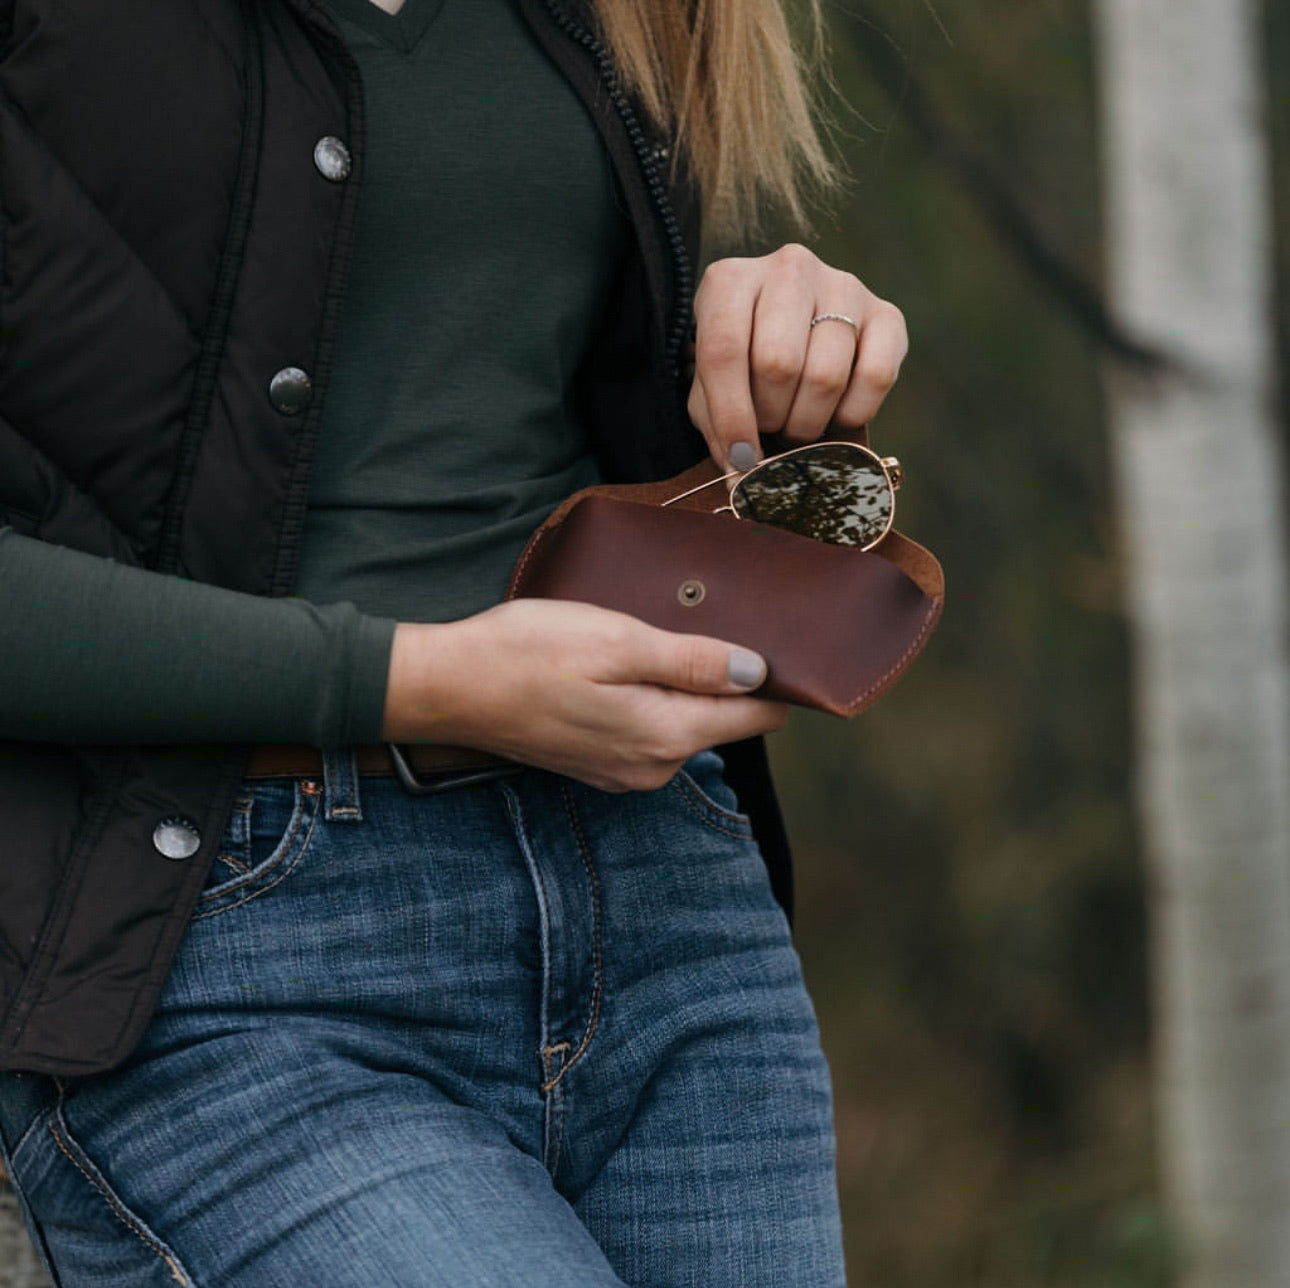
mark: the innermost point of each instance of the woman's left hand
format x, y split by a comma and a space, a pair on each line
760, 366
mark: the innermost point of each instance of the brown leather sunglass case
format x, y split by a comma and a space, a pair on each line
837, 626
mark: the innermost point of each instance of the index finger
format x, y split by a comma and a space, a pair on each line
723, 341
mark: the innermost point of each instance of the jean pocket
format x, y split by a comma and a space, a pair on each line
701, 780
267, 835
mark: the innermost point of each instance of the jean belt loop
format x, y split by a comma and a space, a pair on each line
341, 800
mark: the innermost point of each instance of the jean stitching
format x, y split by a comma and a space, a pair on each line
9, 1171
555, 1107
560, 1048
35, 1125
63, 1139
261, 889
341, 800
684, 781
544, 927
703, 817
239, 826
288, 848
556, 1100
593, 1019
280, 851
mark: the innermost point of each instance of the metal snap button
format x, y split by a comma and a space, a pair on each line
176, 838
691, 592
331, 157
290, 391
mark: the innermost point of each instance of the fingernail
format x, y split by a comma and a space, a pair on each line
742, 456
745, 668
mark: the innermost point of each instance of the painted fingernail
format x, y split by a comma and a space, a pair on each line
745, 668
742, 456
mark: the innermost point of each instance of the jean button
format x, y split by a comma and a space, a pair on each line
176, 838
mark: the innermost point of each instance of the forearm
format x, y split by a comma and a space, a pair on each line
93, 651
569, 687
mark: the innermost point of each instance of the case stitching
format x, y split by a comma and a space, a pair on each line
930, 615
513, 589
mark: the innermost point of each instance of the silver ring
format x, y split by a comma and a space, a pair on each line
836, 317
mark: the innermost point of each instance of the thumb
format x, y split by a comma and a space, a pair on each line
697, 663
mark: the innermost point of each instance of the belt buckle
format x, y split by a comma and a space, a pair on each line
447, 779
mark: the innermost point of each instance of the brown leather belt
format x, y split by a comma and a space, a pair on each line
299, 760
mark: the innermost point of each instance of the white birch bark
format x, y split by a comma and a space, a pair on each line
1200, 487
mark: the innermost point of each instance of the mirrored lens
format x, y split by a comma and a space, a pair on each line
834, 492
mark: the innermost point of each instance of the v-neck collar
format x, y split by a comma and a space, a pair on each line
403, 30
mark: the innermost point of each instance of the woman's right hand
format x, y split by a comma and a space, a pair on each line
580, 690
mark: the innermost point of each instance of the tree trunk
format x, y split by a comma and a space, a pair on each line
1199, 475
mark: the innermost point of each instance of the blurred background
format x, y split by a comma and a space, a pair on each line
971, 891
971, 888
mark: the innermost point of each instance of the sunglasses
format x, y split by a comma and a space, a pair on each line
839, 493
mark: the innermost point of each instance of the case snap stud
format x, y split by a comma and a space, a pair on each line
691, 592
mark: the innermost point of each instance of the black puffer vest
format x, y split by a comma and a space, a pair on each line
170, 244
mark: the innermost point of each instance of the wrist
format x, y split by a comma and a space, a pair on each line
423, 693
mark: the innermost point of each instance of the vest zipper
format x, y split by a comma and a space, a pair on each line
647, 158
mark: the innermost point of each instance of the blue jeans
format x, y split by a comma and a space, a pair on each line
524, 1032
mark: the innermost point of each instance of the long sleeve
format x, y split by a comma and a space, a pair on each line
95, 651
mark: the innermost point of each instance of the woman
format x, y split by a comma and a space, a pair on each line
277, 1015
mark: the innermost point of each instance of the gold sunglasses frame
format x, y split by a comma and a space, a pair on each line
891, 468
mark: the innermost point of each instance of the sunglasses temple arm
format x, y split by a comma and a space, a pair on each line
721, 479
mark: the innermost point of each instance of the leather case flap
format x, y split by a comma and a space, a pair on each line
837, 626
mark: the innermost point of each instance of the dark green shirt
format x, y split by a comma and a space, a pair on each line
487, 241
488, 237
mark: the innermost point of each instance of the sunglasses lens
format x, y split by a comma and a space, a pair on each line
833, 492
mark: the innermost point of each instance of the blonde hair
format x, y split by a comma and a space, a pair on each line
725, 80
